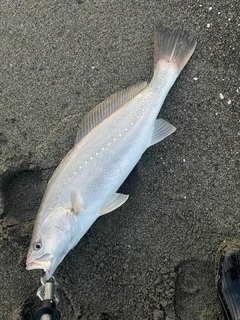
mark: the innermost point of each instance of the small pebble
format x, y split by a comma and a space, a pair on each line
221, 96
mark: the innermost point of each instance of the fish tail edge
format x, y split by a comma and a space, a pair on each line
173, 46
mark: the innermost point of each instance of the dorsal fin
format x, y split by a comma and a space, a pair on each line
107, 107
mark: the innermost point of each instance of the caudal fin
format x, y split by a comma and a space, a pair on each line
173, 46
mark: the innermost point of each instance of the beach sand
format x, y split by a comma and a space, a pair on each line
153, 258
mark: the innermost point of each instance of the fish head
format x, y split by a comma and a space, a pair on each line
51, 240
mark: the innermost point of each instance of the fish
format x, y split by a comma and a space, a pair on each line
110, 141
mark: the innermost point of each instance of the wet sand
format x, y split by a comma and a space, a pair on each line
153, 258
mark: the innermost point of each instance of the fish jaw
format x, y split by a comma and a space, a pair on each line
46, 263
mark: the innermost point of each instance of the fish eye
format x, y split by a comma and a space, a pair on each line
37, 245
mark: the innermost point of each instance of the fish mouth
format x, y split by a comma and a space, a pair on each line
46, 262
43, 262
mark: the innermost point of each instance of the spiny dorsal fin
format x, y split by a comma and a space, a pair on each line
107, 107
114, 202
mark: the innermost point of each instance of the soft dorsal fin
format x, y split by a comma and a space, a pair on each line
114, 202
107, 107
161, 130
77, 201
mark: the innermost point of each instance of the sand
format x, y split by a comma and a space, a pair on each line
153, 258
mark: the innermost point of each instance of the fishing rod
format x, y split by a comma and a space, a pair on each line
49, 296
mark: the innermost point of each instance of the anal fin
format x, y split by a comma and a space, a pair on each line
161, 130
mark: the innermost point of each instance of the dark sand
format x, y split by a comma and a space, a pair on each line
154, 257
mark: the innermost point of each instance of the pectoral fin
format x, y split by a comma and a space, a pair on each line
77, 201
161, 130
114, 202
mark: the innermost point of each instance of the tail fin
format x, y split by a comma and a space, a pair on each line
173, 46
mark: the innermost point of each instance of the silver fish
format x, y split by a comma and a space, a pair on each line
110, 141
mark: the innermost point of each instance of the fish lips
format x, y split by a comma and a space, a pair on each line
44, 262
